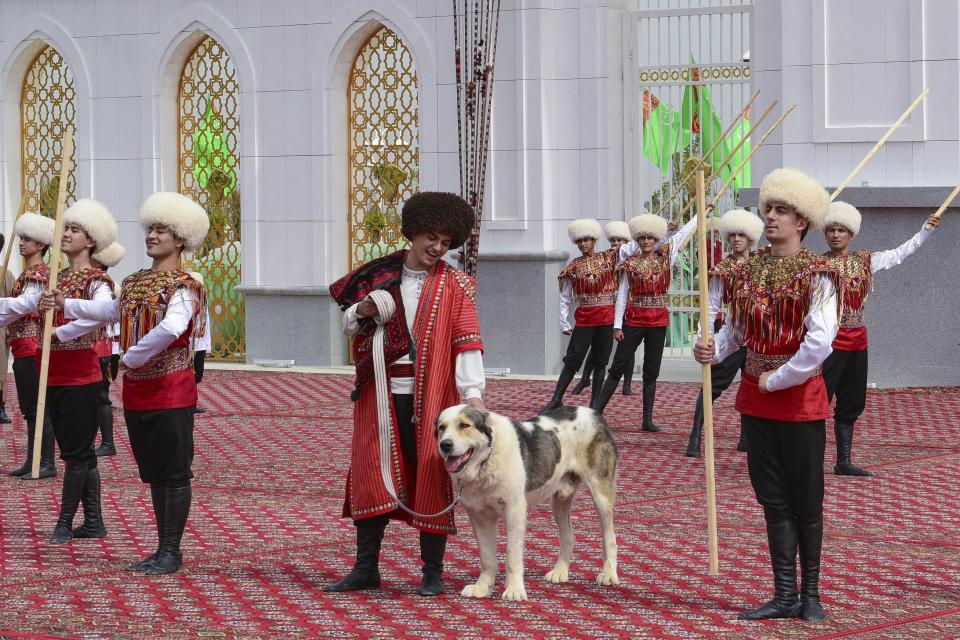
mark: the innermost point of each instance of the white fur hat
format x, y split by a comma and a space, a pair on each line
111, 255
617, 229
795, 188
95, 219
583, 228
186, 219
648, 224
36, 227
196, 275
741, 221
845, 215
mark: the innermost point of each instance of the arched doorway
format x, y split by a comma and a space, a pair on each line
209, 168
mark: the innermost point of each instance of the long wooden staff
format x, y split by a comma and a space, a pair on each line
876, 147
48, 316
705, 335
6, 257
709, 153
946, 203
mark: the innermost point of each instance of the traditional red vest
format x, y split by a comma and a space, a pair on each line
23, 334
856, 278
594, 281
649, 278
165, 381
724, 271
75, 362
770, 298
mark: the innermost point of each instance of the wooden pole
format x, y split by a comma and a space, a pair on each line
703, 159
48, 316
705, 335
6, 257
946, 203
876, 147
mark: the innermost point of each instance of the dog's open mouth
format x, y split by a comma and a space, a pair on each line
455, 464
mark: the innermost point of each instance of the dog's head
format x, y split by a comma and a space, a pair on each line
463, 436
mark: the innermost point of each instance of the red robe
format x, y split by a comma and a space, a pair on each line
446, 325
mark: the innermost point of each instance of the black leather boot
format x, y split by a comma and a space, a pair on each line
48, 464
742, 442
4, 418
566, 377
366, 571
606, 392
158, 495
176, 508
92, 526
844, 433
583, 384
432, 547
811, 543
628, 380
696, 432
782, 538
599, 377
105, 422
649, 396
25, 469
74, 482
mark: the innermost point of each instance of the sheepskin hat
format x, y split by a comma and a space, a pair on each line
583, 228
36, 227
111, 255
196, 275
741, 221
186, 219
95, 219
845, 215
648, 224
617, 229
795, 188
437, 211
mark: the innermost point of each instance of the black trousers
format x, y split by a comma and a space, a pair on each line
199, 358
723, 373
27, 379
73, 412
653, 339
845, 374
403, 407
785, 462
114, 366
596, 340
162, 444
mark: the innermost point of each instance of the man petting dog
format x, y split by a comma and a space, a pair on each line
433, 354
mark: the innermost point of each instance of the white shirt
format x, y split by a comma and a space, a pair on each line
880, 260
676, 242
822, 326
566, 301
12, 309
468, 368
204, 342
175, 322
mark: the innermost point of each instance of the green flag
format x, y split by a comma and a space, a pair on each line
698, 116
662, 134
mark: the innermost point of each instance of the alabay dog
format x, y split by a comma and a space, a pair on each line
502, 467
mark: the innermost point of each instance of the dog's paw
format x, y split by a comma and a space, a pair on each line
514, 594
608, 578
559, 573
475, 590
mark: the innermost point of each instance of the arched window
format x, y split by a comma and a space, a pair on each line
209, 167
48, 108
384, 138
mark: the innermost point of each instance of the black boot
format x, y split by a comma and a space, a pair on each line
811, 542
48, 465
25, 469
599, 377
693, 445
432, 547
92, 526
844, 433
158, 494
176, 508
628, 380
566, 377
649, 396
4, 418
583, 384
74, 482
366, 571
742, 442
782, 538
105, 422
606, 392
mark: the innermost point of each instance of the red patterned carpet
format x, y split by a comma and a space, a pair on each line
265, 534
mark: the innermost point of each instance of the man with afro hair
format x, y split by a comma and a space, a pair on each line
433, 355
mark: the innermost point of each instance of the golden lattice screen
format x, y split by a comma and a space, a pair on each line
209, 167
48, 110
384, 122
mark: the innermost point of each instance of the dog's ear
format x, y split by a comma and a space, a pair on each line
479, 420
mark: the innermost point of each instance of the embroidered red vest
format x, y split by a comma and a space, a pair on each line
165, 381
856, 278
75, 362
23, 334
649, 278
724, 270
770, 298
594, 281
